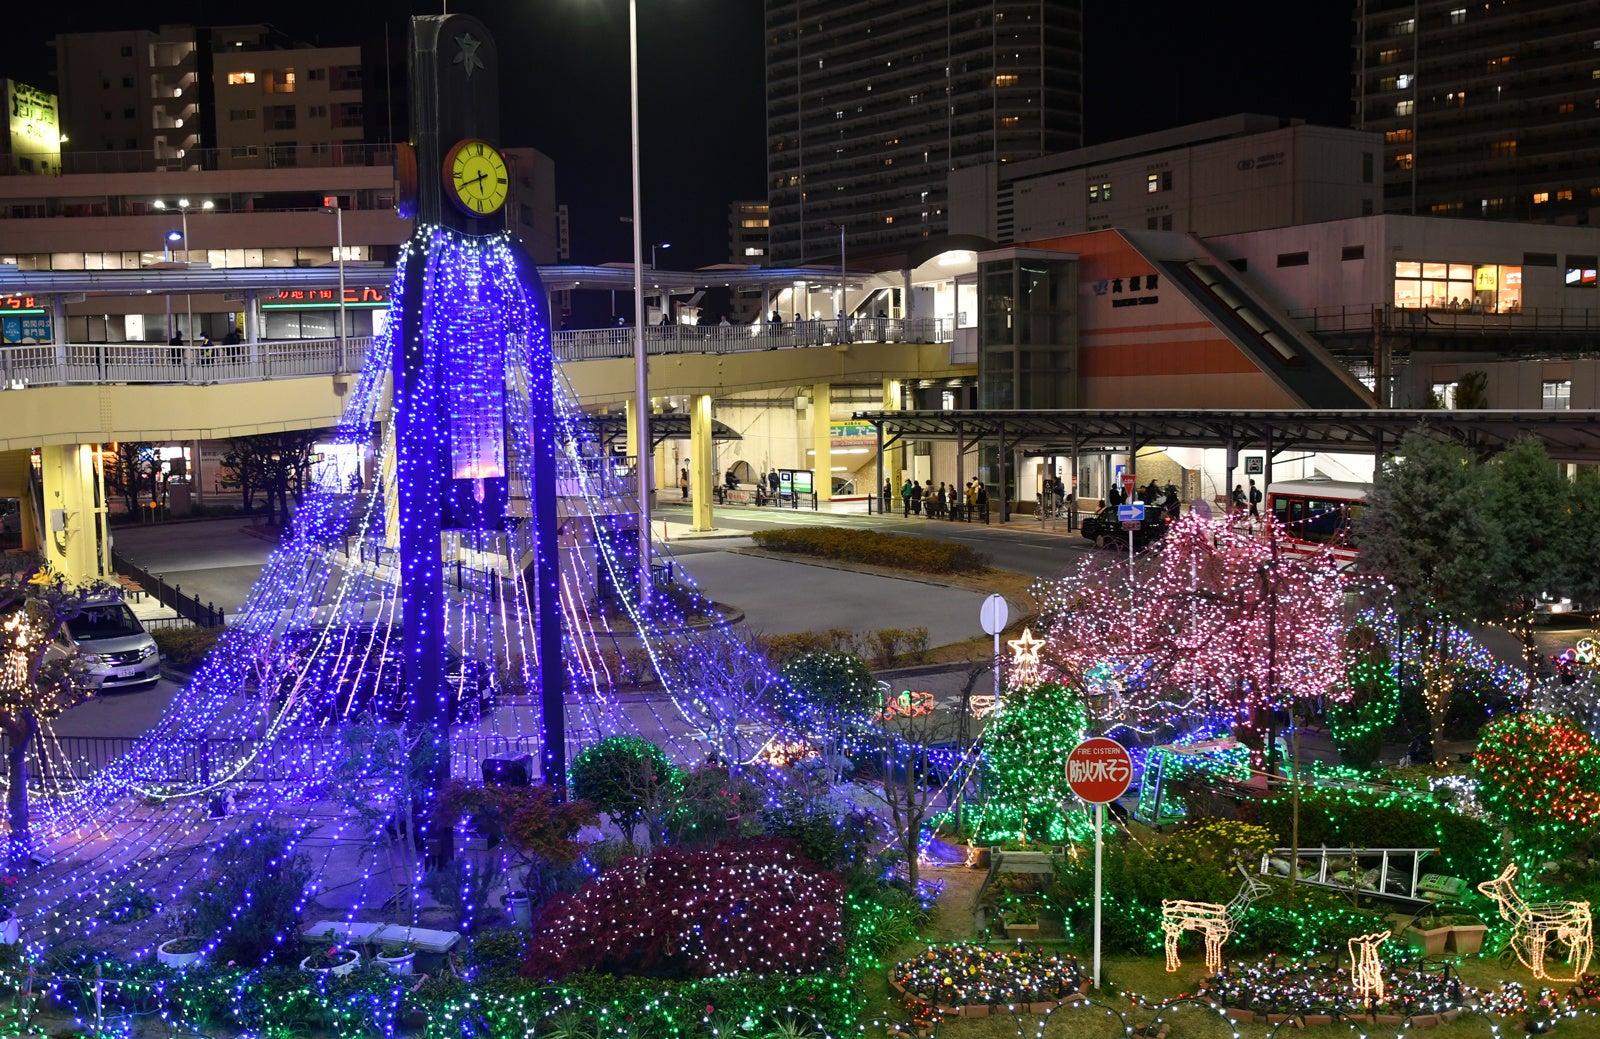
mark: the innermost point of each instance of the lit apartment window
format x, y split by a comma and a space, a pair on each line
1567, 109
1006, 79
1403, 108
1388, 82
1152, 183
1541, 197
1389, 57
1396, 136
1503, 149
1404, 81
1557, 394
1010, 120
1403, 161
240, 78
1403, 28
1500, 62
1564, 196
1100, 192
1458, 15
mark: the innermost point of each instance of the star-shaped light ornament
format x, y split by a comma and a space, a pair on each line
468, 57
1025, 655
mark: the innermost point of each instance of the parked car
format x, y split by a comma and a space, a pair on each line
1105, 530
361, 667
112, 648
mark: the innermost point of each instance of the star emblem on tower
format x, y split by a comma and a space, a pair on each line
468, 56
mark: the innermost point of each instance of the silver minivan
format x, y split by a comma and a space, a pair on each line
113, 649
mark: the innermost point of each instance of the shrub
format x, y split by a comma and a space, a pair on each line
755, 908
184, 647
839, 684
625, 777
900, 551
252, 901
713, 804
885, 644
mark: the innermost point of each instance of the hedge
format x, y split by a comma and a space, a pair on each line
901, 551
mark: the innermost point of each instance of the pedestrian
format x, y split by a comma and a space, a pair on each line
1173, 504
1255, 501
772, 483
776, 320
725, 323
905, 499
683, 483
176, 353
1114, 495
888, 495
970, 496
941, 503
981, 500
1151, 493
207, 352
916, 498
1236, 500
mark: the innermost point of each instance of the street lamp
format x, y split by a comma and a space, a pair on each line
338, 217
166, 252
653, 248
183, 209
641, 370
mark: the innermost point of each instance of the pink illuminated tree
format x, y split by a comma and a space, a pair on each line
1214, 627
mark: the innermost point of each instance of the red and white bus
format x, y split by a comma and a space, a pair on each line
1319, 515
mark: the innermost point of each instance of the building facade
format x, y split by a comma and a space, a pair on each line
1487, 110
193, 97
1240, 173
869, 108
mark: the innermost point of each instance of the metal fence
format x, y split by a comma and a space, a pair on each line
67, 761
187, 607
67, 364
1438, 320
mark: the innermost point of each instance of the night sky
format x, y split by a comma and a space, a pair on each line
565, 71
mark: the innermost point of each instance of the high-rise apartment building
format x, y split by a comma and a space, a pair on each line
206, 97
1486, 109
870, 106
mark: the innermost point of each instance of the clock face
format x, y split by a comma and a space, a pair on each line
476, 178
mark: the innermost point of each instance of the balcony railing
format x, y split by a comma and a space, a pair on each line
1360, 318
76, 364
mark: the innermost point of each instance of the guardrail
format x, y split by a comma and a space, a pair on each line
188, 607
77, 364
1424, 320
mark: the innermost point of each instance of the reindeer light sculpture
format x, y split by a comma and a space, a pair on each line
1366, 969
1213, 920
1535, 925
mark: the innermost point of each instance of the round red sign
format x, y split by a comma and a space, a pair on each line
1099, 770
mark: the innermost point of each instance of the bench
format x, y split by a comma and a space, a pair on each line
130, 588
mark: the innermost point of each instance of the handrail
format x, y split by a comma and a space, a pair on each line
93, 364
1364, 317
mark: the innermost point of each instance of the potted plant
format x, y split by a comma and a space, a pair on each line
397, 957
179, 952
1428, 934
519, 906
1466, 935
1021, 919
254, 896
334, 960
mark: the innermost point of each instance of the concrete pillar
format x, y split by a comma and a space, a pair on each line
894, 458
71, 511
702, 474
391, 501
822, 440
632, 426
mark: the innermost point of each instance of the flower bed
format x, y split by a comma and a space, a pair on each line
1319, 993
962, 977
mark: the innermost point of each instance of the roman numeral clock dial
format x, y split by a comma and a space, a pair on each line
476, 178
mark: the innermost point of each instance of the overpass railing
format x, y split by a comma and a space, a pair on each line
1358, 318
47, 364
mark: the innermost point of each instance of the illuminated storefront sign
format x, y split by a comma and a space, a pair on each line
369, 297
30, 305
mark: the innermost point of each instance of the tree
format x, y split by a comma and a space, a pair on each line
838, 686
382, 776
628, 778
912, 774
1358, 725
131, 470
1212, 629
528, 821
1025, 752
1430, 532
35, 604
242, 466
1532, 511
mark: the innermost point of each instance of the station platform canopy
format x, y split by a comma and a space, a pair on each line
1569, 436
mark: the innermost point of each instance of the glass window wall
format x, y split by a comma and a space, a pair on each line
1480, 288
